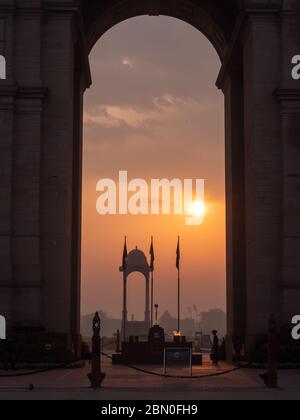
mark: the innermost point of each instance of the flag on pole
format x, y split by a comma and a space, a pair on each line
152, 256
125, 254
178, 254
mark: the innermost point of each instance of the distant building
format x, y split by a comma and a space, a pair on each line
168, 322
109, 326
214, 319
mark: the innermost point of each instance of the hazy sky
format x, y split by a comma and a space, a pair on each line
154, 110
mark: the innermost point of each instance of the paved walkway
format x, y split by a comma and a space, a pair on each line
122, 383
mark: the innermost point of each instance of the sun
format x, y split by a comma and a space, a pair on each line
197, 209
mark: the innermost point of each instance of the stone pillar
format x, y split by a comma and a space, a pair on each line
57, 171
40, 164
6, 147
289, 98
21, 107
7, 100
231, 82
263, 167
27, 302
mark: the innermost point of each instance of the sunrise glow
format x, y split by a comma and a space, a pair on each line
197, 209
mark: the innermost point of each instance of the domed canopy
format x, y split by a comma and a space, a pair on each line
137, 261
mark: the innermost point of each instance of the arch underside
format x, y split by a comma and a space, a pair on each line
215, 19
135, 328
142, 271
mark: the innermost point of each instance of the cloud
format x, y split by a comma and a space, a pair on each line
173, 133
116, 116
166, 56
156, 105
163, 108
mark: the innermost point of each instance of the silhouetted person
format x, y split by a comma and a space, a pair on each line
215, 348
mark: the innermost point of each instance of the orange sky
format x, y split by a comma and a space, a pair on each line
154, 111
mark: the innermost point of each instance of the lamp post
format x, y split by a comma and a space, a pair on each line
96, 376
156, 314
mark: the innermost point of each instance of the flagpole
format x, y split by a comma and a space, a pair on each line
178, 271
124, 306
152, 278
178, 325
152, 296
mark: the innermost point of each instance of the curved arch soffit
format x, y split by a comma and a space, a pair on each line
132, 270
183, 10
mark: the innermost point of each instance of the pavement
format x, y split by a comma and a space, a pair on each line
123, 383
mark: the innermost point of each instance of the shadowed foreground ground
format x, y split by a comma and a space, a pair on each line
122, 383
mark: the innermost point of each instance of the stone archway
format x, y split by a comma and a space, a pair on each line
217, 23
206, 17
46, 47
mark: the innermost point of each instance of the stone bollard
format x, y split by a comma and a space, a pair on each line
96, 376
